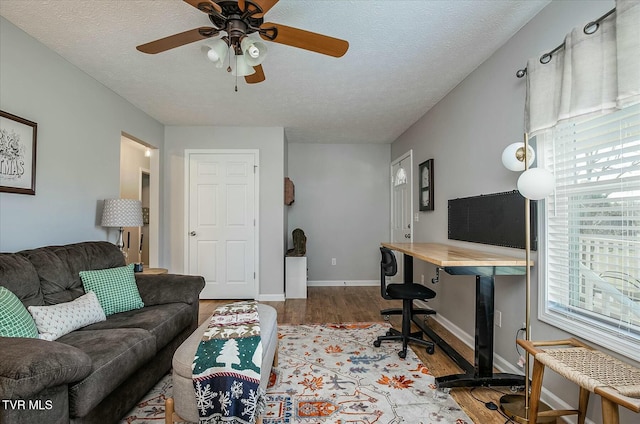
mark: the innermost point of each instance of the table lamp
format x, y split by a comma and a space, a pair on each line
122, 213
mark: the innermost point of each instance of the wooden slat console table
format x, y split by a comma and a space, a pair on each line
594, 371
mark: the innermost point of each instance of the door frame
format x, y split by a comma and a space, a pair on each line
142, 172
394, 162
187, 185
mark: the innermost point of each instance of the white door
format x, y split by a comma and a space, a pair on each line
401, 205
222, 223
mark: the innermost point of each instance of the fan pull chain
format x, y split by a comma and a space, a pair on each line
236, 58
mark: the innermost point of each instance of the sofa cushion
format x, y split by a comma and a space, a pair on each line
55, 321
163, 321
18, 275
28, 366
115, 355
58, 267
15, 321
115, 288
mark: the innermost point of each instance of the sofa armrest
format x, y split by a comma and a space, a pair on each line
158, 289
28, 366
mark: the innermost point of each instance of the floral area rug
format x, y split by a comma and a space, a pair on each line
332, 374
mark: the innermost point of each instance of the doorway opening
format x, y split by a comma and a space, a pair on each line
139, 179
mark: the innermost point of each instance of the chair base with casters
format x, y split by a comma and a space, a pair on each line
386, 313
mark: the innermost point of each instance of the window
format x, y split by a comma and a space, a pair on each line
401, 177
591, 262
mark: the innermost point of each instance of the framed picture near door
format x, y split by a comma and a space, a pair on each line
425, 178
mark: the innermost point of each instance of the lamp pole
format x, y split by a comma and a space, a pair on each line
527, 274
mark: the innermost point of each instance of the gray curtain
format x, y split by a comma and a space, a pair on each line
593, 74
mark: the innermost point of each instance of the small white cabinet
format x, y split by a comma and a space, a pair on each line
295, 277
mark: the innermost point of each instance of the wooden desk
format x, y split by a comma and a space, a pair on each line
461, 261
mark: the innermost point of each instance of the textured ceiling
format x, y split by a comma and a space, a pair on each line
404, 56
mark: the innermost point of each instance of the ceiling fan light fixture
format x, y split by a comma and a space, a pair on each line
242, 67
218, 52
253, 50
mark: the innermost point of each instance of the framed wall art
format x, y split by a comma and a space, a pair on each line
18, 138
425, 178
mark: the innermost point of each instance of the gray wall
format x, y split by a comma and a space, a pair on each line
271, 144
465, 133
342, 204
78, 149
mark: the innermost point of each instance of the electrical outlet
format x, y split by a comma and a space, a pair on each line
524, 325
333, 261
497, 319
422, 278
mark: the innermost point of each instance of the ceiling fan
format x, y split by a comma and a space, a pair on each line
238, 19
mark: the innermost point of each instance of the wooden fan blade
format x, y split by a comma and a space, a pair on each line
241, 5
177, 40
302, 39
257, 77
265, 5
208, 3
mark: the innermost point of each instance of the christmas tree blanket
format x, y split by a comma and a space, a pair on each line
226, 367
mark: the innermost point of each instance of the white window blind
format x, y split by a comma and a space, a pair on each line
592, 230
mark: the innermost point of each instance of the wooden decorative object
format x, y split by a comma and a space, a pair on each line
289, 192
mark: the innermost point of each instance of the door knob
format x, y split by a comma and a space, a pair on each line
192, 233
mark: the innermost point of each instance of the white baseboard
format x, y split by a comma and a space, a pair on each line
271, 297
343, 283
504, 365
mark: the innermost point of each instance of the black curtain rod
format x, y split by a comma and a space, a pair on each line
589, 28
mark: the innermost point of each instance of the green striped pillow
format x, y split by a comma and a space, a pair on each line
115, 288
15, 320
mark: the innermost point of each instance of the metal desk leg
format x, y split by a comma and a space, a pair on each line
408, 268
484, 326
483, 374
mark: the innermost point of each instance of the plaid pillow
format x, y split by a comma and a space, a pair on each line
115, 288
15, 320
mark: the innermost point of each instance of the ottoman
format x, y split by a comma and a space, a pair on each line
182, 407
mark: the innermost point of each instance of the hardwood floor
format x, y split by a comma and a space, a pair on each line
363, 304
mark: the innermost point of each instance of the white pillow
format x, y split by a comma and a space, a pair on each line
55, 321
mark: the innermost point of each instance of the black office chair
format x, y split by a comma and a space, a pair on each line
408, 292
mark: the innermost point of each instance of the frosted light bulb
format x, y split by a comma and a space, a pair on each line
254, 52
212, 55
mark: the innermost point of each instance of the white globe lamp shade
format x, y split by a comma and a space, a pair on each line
242, 68
218, 53
513, 156
536, 183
